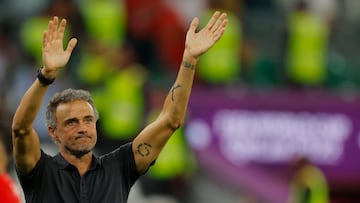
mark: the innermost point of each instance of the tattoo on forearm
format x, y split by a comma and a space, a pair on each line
173, 91
144, 149
188, 65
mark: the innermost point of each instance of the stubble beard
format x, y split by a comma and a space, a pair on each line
78, 153
79, 150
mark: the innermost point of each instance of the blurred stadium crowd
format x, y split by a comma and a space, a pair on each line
129, 51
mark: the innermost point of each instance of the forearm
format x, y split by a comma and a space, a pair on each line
148, 144
177, 100
29, 107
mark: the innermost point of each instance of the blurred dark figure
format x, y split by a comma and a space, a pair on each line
308, 185
9, 56
9, 192
259, 4
157, 33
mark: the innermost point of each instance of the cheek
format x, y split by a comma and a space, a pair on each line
94, 134
93, 129
65, 134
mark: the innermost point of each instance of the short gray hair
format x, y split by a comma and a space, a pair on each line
67, 95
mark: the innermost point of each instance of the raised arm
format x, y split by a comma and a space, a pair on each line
26, 142
148, 144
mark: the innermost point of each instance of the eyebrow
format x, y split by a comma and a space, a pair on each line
70, 119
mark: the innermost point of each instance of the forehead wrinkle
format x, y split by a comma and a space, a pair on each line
75, 109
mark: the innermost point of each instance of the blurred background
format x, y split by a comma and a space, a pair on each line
274, 115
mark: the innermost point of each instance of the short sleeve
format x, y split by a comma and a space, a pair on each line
123, 159
31, 180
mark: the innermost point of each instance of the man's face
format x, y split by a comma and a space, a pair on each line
76, 128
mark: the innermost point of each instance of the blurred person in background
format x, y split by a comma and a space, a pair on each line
105, 28
9, 58
120, 99
307, 43
309, 184
187, 9
75, 173
9, 192
157, 33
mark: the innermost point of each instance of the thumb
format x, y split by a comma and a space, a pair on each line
71, 45
194, 24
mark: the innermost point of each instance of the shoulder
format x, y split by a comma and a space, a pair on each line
121, 158
44, 160
122, 152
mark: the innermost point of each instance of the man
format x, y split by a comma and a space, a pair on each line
76, 174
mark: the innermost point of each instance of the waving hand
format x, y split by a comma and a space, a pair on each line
199, 42
54, 55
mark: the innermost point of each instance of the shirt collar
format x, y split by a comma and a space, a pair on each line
63, 164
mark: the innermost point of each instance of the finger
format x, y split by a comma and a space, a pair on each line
194, 24
71, 45
61, 31
45, 38
219, 22
212, 20
219, 32
48, 31
218, 35
54, 26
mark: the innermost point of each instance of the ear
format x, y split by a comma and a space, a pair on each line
52, 133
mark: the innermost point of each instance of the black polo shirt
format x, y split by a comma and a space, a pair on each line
109, 179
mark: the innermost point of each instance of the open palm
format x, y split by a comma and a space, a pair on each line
54, 55
199, 42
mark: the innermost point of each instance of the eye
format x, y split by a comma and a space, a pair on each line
71, 123
89, 120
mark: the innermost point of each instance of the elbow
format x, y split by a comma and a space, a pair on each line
175, 122
19, 130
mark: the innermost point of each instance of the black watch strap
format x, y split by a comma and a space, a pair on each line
43, 80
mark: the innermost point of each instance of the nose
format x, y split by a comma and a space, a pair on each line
82, 128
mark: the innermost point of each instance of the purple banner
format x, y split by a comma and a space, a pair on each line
250, 139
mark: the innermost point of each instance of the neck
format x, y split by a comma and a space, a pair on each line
82, 163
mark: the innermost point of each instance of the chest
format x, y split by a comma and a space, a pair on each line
95, 186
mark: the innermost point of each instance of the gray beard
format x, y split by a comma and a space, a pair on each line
77, 153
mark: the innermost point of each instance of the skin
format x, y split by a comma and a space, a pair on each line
75, 133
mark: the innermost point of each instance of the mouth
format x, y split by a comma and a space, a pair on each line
82, 137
